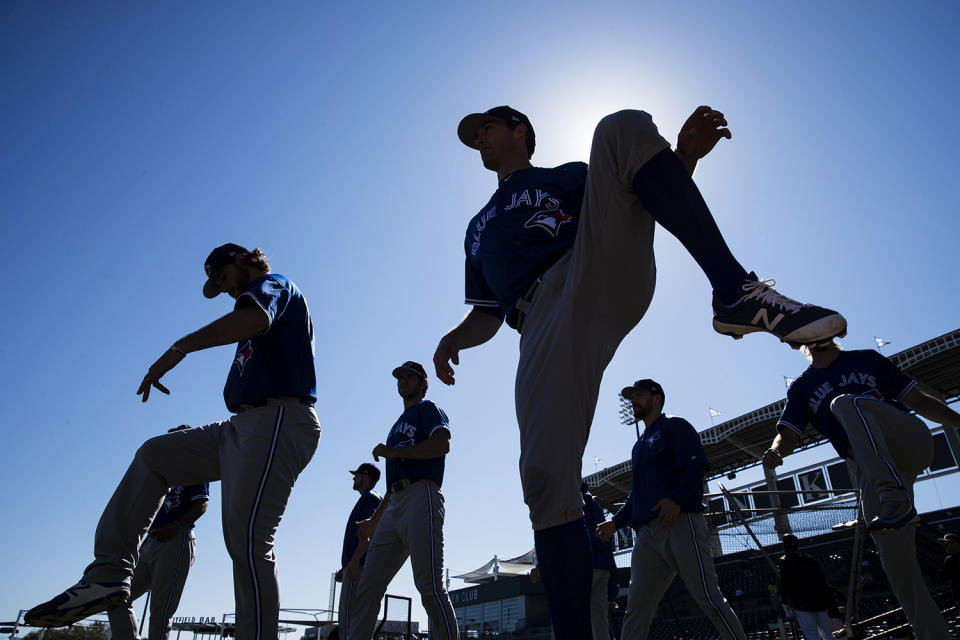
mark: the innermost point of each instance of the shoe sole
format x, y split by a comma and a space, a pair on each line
838, 330
76, 614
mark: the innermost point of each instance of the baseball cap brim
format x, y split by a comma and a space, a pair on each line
210, 290
627, 392
467, 129
397, 371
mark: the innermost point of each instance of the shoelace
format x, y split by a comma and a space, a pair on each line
763, 292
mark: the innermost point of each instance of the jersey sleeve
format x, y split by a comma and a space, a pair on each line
270, 295
432, 418
196, 492
794, 416
477, 291
687, 448
890, 379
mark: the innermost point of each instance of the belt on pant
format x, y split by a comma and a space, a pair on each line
522, 306
277, 399
400, 485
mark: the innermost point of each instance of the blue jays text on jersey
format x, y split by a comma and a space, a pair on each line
415, 425
530, 222
279, 361
668, 462
863, 372
178, 502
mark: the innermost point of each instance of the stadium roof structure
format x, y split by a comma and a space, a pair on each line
496, 568
739, 443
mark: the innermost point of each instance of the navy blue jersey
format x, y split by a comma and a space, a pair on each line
530, 222
279, 361
863, 372
415, 425
178, 502
602, 551
668, 462
366, 505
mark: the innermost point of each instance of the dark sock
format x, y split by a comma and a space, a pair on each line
672, 198
566, 569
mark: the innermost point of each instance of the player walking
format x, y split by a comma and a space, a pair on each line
603, 566
665, 508
804, 589
257, 453
565, 256
409, 521
861, 402
365, 478
164, 561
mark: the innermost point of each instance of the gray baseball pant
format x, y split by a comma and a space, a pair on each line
257, 456
348, 589
891, 448
599, 605
815, 625
411, 526
161, 569
658, 556
586, 304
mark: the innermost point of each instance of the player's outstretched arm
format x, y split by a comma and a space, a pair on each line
237, 325
931, 408
476, 328
699, 135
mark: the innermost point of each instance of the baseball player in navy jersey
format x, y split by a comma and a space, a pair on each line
165, 558
409, 520
603, 566
861, 402
257, 453
665, 508
365, 477
565, 257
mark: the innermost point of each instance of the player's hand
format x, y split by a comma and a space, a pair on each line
365, 529
771, 459
701, 132
382, 451
669, 511
167, 531
605, 530
339, 575
353, 569
164, 363
446, 353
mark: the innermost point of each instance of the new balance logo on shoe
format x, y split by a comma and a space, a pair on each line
762, 315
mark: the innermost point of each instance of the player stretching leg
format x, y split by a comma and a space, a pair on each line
565, 256
409, 520
163, 562
665, 508
861, 401
257, 453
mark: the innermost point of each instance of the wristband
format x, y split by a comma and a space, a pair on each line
179, 352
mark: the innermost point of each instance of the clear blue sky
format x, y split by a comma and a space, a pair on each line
136, 137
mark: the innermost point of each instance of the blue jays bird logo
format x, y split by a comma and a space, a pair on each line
550, 220
244, 353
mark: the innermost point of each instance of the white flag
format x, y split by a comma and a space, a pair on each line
713, 412
880, 341
788, 381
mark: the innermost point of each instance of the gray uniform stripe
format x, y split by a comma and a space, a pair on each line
176, 576
433, 562
258, 616
873, 443
703, 579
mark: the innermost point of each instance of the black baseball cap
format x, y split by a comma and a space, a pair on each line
950, 537
790, 542
467, 130
218, 259
370, 469
410, 365
648, 384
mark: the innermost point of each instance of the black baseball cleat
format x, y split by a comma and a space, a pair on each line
78, 602
762, 308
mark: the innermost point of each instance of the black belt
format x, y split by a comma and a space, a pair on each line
262, 403
400, 485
